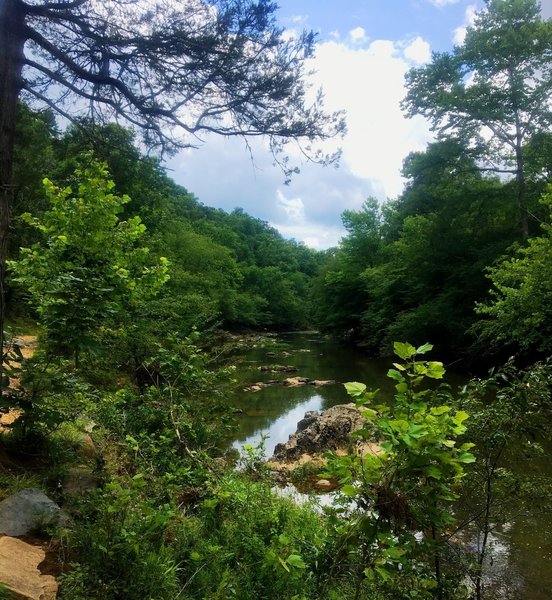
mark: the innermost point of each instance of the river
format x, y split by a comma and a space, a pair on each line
521, 550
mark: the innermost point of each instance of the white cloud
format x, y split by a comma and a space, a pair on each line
459, 34
314, 236
294, 208
441, 3
418, 51
358, 35
369, 84
366, 81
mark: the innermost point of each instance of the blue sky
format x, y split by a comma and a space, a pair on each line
364, 49
381, 19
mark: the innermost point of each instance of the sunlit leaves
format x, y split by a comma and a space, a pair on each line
411, 480
89, 266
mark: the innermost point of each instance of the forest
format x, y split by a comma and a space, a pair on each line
125, 302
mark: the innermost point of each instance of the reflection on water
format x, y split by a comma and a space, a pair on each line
521, 552
277, 430
274, 411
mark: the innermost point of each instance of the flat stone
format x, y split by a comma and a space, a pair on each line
278, 368
29, 509
323, 485
19, 571
295, 381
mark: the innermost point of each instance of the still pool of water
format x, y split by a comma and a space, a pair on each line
521, 552
275, 410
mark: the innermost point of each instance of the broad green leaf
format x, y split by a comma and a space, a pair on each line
395, 552
399, 366
394, 374
354, 388
406, 439
283, 563
466, 457
383, 573
424, 348
404, 350
369, 414
460, 417
435, 370
349, 490
283, 539
434, 472
440, 410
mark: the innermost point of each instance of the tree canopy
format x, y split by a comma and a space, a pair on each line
175, 70
494, 89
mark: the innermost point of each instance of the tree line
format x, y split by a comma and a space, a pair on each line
421, 266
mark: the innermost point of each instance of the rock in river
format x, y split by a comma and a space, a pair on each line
318, 432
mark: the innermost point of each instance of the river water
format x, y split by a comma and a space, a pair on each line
521, 550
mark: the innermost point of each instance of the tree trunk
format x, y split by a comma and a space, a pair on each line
12, 41
520, 177
522, 197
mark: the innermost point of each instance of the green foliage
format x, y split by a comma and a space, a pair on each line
119, 550
52, 393
416, 266
247, 543
407, 484
490, 91
519, 312
89, 266
340, 293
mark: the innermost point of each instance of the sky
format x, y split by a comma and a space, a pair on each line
364, 48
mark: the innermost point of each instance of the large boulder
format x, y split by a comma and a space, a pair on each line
319, 432
19, 571
28, 510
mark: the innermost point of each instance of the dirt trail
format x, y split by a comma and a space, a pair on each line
27, 345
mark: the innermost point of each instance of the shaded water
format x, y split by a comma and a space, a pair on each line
521, 551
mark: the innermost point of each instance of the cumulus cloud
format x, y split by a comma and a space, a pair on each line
365, 80
293, 208
369, 84
358, 35
459, 34
441, 3
418, 51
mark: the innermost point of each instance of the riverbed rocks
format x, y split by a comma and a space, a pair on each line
278, 369
319, 432
288, 382
20, 573
323, 485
